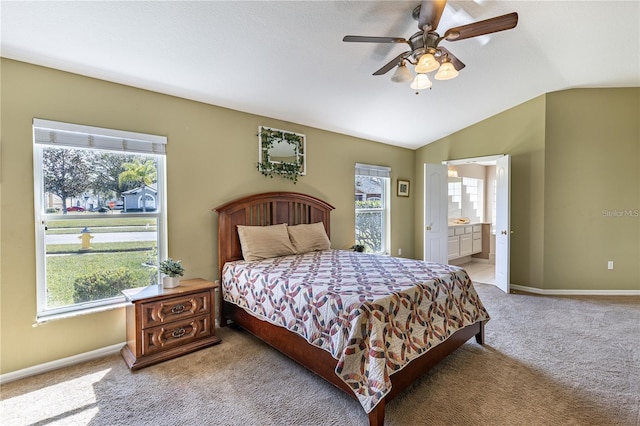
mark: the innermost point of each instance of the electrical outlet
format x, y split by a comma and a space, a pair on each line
399, 252
610, 264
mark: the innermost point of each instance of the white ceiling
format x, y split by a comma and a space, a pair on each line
286, 59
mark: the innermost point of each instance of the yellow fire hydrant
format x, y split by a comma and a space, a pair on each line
86, 238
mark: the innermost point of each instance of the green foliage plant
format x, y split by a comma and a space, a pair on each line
139, 173
102, 284
369, 204
171, 268
368, 231
152, 257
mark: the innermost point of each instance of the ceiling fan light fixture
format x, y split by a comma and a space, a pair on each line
447, 71
421, 82
427, 63
402, 74
423, 45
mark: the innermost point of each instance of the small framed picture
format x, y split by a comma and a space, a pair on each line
403, 188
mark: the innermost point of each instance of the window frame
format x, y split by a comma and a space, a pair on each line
383, 173
144, 144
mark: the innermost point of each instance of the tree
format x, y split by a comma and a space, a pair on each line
65, 172
106, 174
143, 174
369, 230
139, 172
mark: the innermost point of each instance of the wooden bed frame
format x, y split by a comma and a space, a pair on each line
294, 208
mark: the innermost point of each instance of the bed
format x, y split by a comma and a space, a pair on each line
348, 317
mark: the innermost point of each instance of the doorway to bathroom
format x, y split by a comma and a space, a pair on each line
467, 217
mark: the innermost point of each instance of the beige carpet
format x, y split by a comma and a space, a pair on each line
547, 361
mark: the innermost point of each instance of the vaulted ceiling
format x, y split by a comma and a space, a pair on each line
287, 60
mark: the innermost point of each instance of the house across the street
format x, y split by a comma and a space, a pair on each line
142, 198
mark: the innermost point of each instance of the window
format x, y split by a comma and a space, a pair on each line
473, 192
372, 185
455, 197
100, 215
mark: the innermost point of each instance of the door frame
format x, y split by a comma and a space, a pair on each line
487, 160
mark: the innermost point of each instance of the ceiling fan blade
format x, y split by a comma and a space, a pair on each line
488, 26
430, 13
392, 63
457, 63
366, 39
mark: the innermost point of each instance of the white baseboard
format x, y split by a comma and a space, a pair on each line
64, 362
554, 292
113, 349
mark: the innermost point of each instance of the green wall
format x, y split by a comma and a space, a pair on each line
592, 152
211, 159
575, 154
520, 133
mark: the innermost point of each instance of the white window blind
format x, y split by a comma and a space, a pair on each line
374, 171
56, 133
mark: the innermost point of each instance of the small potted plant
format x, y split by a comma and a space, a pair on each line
173, 270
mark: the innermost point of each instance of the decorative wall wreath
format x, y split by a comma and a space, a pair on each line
269, 138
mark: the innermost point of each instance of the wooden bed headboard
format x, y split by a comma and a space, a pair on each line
269, 208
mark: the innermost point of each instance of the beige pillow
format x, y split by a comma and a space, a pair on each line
306, 238
263, 242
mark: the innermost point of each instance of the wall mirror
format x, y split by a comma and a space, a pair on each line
281, 152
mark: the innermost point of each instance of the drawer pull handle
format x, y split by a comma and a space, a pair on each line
178, 332
178, 309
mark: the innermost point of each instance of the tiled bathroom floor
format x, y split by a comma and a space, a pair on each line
481, 272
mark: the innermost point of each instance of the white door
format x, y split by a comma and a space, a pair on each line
435, 213
503, 222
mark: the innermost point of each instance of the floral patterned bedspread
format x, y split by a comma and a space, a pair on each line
373, 313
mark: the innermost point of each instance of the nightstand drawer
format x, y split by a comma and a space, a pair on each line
177, 333
164, 311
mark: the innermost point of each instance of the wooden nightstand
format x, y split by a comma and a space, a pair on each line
163, 323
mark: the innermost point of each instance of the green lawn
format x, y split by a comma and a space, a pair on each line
66, 262
101, 247
63, 269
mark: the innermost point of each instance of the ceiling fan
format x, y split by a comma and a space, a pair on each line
426, 53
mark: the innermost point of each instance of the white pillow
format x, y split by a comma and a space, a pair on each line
311, 237
263, 242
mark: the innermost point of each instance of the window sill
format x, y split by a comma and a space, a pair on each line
45, 318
